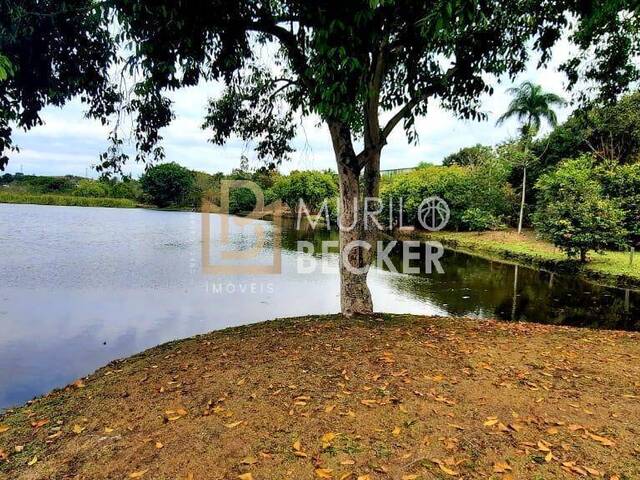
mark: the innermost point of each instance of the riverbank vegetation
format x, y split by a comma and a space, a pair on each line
610, 267
327, 397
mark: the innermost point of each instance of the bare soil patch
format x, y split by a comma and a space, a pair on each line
387, 397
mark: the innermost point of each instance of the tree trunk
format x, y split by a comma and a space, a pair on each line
522, 201
371, 186
355, 297
583, 256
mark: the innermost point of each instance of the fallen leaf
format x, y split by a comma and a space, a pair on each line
40, 423
33, 461
139, 474
396, 432
324, 473
159, 445
77, 429
234, 424
4, 428
501, 467
245, 476
249, 461
602, 440
444, 468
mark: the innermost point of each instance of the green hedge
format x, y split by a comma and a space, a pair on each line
65, 200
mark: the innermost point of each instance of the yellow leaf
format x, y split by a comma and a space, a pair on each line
602, 440
542, 447
329, 408
159, 445
324, 473
297, 446
444, 468
33, 461
501, 467
4, 428
409, 477
139, 474
548, 457
491, 422
364, 477
233, 425
396, 432
249, 461
245, 476
327, 438
108, 430
77, 429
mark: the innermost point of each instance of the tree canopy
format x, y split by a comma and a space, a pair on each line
343, 61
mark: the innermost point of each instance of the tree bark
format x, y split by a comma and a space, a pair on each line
355, 297
522, 201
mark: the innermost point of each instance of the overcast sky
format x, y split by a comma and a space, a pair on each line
68, 143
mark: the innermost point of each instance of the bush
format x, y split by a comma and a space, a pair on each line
476, 219
128, 188
482, 188
622, 183
45, 184
573, 212
312, 187
167, 184
91, 188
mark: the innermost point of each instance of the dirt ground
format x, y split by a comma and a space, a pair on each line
387, 397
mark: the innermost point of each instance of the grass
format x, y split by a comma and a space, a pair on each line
300, 399
65, 200
610, 267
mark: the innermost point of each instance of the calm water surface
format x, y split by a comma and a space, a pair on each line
80, 287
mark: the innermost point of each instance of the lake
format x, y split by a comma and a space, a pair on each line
83, 286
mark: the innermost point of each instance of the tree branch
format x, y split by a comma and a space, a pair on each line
289, 42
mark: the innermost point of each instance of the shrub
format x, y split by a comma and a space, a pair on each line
476, 219
128, 188
167, 184
481, 188
313, 187
573, 213
91, 188
622, 183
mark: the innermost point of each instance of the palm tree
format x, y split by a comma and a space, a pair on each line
530, 105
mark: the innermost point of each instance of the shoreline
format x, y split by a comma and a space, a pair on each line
508, 247
386, 396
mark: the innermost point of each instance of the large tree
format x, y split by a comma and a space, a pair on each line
349, 63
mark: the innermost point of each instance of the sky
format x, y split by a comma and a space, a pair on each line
69, 143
